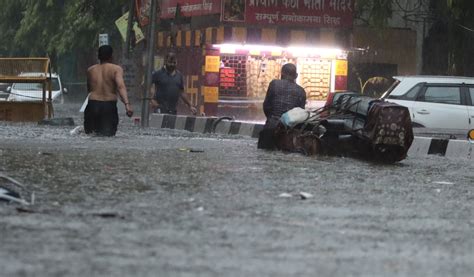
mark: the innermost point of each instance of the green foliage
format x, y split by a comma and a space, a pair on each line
457, 18
11, 14
57, 27
375, 13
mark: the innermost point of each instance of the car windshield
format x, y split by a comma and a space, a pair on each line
389, 90
35, 86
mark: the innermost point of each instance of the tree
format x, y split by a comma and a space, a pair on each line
375, 13
454, 19
59, 29
11, 15
450, 40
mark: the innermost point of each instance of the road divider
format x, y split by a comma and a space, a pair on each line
205, 125
421, 146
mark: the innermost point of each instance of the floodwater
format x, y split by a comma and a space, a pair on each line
152, 202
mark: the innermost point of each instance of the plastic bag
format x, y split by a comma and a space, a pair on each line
294, 117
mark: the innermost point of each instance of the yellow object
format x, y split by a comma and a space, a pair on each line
298, 37
239, 34
341, 67
213, 63
211, 94
470, 134
122, 25
14, 70
269, 35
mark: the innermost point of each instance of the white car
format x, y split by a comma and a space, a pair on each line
445, 102
34, 91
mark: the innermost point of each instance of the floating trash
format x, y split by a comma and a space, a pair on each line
9, 191
305, 195
108, 215
76, 131
443, 183
191, 150
285, 195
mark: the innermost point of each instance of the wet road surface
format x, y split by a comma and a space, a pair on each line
153, 202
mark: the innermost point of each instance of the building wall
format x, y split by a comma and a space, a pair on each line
409, 15
282, 36
388, 46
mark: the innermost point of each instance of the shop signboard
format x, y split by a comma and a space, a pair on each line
212, 64
211, 94
103, 39
314, 13
341, 75
122, 24
189, 8
341, 67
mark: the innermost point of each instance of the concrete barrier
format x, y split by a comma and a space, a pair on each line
421, 146
205, 125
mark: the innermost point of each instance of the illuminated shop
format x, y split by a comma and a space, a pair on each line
229, 64
244, 72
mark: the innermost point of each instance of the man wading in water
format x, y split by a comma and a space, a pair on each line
104, 80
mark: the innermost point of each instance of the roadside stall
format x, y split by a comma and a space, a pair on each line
29, 71
246, 70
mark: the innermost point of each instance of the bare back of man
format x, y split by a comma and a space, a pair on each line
104, 81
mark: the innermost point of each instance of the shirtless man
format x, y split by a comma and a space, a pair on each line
104, 80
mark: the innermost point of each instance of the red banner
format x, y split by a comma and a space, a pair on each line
189, 7
314, 13
142, 8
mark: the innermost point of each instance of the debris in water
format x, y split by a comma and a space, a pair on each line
9, 188
24, 210
108, 215
76, 131
200, 209
285, 195
443, 183
305, 195
191, 150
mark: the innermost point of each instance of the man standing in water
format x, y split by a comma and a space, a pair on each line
169, 87
104, 81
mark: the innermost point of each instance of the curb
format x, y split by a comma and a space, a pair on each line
205, 125
452, 148
421, 146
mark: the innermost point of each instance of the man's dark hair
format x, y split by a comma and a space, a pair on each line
170, 54
288, 71
105, 53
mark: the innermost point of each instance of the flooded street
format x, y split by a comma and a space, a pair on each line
152, 202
